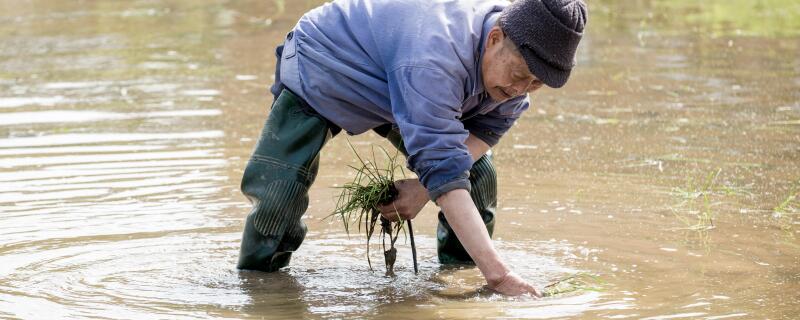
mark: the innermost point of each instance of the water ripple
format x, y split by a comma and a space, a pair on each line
84, 138
61, 116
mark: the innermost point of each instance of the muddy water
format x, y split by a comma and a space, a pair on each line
667, 168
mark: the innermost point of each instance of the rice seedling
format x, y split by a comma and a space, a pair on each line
679, 159
373, 185
788, 212
704, 216
698, 219
573, 283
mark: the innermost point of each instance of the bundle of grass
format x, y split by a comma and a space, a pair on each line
357, 203
573, 283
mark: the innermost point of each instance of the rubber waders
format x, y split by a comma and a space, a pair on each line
276, 181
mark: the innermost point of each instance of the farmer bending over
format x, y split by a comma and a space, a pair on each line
442, 80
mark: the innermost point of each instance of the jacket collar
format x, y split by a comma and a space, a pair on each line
488, 23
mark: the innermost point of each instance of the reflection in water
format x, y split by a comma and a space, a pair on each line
17, 118
72, 139
276, 294
124, 128
25, 101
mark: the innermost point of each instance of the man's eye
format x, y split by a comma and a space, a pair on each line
520, 77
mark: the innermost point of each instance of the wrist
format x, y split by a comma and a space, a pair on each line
497, 275
420, 190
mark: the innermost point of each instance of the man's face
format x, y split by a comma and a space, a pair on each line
505, 73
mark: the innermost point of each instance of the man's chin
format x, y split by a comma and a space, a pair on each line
498, 98
493, 96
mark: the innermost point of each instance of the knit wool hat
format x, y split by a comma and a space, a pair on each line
547, 33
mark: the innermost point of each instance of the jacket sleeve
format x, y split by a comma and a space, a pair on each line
490, 127
426, 105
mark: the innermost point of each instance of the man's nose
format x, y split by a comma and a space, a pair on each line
533, 86
520, 88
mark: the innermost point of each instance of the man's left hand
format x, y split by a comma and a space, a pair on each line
411, 198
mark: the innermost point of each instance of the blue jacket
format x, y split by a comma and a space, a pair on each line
412, 63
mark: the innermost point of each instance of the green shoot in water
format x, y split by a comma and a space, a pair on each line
573, 283
788, 212
697, 219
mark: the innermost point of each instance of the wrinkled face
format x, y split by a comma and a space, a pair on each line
505, 73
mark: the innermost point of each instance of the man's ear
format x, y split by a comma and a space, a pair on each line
495, 36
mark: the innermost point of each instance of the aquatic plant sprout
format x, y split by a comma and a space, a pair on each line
788, 211
698, 219
573, 283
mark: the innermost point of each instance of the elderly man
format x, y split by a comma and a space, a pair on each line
442, 80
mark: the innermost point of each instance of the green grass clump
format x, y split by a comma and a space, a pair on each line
371, 187
573, 283
788, 212
697, 218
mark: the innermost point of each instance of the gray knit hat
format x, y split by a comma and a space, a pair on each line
547, 33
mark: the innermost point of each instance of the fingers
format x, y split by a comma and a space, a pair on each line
385, 208
391, 216
513, 285
528, 288
532, 290
389, 212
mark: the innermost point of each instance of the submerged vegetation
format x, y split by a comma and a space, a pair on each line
573, 283
699, 199
695, 209
738, 17
372, 186
788, 212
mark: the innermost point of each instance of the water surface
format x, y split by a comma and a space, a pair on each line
669, 167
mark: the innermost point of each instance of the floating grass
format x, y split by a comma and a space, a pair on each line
704, 217
788, 212
573, 283
679, 158
358, 202
698, 219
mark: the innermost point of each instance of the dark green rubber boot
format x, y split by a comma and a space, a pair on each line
276, 181
483, 180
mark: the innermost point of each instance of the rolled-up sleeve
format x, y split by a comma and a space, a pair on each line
490, 127
426, 104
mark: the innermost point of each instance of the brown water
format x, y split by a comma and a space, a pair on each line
125, 126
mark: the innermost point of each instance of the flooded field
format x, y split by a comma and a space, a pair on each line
669, 168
